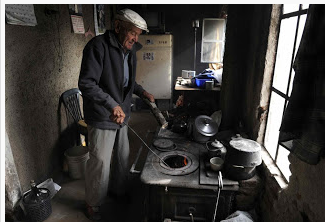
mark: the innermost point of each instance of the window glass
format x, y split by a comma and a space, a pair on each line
305, 6
213, 40
212, 51
273, 123
284, 54
283, 162
287, 8
300, 31
293, 73
299, 35
213, 29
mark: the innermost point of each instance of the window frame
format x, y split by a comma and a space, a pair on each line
285, 95
222, 41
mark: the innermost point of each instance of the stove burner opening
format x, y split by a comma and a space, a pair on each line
176, 161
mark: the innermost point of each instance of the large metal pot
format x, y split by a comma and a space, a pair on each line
235, 172
244, 152
204, 128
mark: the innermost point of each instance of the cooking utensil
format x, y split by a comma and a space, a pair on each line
204, 127
220, 186
244, 152
157, 113
216, 149
146, 144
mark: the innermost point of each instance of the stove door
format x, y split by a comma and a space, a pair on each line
181, 204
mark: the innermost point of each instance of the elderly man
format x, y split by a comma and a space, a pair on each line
107, 82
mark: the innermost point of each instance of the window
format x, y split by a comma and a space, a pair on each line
291, 28
213, 40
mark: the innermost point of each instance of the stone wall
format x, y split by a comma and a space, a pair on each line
302, 200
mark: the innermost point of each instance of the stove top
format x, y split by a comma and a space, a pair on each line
190, 174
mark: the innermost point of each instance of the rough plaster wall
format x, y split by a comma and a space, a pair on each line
13, 189
37, 73
269, 69
255, 63
303, 199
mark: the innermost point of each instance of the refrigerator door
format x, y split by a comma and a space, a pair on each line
154, 67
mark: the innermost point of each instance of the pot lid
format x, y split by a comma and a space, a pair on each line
245, 145
206, 125
164, 144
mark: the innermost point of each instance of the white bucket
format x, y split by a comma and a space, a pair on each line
77, 158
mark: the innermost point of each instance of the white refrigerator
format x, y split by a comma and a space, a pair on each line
154, 67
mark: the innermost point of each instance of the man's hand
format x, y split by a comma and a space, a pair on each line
117, 115
149, 96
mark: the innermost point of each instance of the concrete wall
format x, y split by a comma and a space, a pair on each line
41, 63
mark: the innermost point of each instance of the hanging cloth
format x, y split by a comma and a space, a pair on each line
304, 118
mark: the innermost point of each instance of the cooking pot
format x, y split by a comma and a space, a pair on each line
244, 152
235, 172
204, 128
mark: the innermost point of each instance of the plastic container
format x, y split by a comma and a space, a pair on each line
209, 84
77, 158
201, 82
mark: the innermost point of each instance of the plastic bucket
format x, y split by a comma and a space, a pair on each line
77, 158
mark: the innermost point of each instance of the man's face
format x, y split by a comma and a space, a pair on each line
128, 34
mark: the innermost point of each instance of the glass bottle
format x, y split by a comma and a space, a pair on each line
35, 195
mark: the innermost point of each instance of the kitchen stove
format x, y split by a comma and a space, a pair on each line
183, 190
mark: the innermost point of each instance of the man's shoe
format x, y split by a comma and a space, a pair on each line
93, 213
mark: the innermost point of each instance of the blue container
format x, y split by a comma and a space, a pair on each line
201, 82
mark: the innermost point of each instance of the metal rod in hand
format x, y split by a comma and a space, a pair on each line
146, 144
220, 185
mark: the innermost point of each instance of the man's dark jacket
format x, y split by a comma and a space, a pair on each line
101, 80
